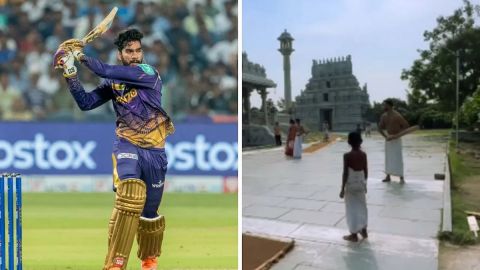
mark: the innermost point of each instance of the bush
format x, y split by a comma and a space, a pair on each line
431, 118
470, 110
461, 238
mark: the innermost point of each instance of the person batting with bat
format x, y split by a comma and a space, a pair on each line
139, 159
396, 127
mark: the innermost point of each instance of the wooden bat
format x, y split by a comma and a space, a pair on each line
70, 44
403, 132
101, 28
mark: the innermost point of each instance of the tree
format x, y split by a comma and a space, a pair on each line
470, 111
432, 78
270, 106
283, 107
375, 112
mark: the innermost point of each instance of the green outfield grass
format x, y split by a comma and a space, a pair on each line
69, 231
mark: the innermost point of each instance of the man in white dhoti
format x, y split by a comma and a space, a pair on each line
297, 146
354, 188
394, 123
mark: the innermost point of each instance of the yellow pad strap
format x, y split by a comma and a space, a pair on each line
129, 202
150, 237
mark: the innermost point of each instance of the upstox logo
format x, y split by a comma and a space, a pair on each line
201, 155
45, 155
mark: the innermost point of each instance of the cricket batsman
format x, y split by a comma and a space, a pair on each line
139, 159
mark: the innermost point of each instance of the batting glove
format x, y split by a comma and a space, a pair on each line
57, 58
69, 68
78, 54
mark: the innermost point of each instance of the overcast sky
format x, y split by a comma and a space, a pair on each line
382, 36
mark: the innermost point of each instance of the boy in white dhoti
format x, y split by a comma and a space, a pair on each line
354, 188
394, 123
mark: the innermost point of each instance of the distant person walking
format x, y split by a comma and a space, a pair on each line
368, 130
292, 132
325, 128
278, 136
359, 129
354, 188
394, 123
297, 146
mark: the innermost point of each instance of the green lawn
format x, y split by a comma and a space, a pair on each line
465, 194
69, 231
433, 132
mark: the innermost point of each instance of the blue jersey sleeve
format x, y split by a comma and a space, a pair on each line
91, 100
142, 75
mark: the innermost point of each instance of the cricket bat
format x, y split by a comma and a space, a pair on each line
404, 132
407, 131
101, 28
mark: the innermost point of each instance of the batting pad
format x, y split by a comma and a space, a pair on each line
150, 237
129, 202
111, 225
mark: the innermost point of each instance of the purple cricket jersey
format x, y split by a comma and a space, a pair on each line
136, 95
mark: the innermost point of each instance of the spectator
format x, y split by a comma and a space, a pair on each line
8, 94
18, 111
59, 35
222, 51
224, 21
192, 22
126, 13
218, 102
210, 9
34, 9
36, 99
48, 82
7, 49
38, 59
18, 75
63, 106
70, 16
161, 23
47, 23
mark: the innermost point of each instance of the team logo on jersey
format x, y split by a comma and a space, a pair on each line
127, 155
118, 86
127, 97
158, 185
147, 69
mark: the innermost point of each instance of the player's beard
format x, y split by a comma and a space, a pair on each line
130, 63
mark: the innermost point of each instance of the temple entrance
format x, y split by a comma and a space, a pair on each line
326, 115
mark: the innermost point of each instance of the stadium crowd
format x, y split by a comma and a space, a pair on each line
192, 43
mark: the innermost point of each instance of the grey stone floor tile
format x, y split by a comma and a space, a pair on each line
303, 204
433, 215
269, 212
275, 228
264, 200
313, 217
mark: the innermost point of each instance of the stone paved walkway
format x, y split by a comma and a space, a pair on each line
299, 199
